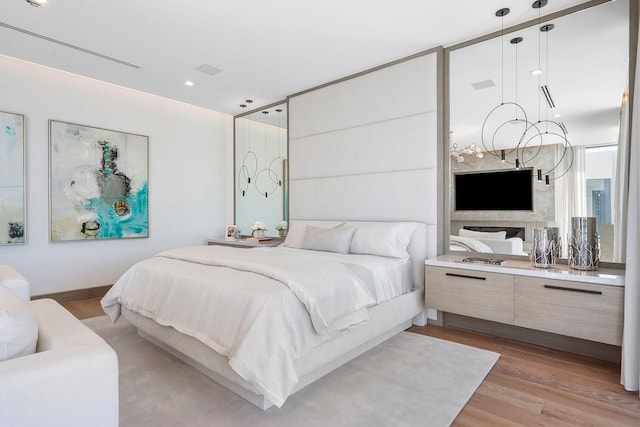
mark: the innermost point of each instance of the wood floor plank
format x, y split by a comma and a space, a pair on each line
84, 309
514, 414
574, 389
626, 405
506, 395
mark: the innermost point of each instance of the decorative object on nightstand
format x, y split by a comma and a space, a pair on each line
257, 229
282, 228
545, 249
232, 232
584, 247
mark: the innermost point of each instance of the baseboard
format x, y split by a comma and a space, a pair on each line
75, 295
587, 348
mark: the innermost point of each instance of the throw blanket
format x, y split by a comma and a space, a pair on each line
330, 291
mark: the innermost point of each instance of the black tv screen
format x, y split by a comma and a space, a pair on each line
502, 190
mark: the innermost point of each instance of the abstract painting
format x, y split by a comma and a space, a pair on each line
12, 188
98, 185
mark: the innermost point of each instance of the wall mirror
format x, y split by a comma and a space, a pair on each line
547, 95
261, 167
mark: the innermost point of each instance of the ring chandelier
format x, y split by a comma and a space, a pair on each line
265, 180
531, 134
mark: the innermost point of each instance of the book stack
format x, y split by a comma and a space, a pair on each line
259, 239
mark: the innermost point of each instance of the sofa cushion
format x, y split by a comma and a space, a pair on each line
15, 281
496, 235
18, 326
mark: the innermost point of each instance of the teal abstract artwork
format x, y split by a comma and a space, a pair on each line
98, 183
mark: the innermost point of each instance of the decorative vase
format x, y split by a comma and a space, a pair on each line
282, 233
545, 248
258, 234
584, 247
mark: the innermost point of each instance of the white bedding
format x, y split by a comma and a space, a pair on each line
246, 312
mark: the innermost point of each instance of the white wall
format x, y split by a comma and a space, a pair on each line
190, 173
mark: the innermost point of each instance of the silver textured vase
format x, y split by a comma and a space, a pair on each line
545, 248
584, 244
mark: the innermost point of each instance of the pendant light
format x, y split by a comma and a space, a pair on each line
546, 131
532, 134
266, 181
495, 129
249, 168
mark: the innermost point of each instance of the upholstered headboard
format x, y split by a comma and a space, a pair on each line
366, 149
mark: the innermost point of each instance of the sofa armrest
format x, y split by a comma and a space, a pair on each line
58, 328
512, 246
71, 380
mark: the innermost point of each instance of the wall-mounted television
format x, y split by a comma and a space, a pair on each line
500, 190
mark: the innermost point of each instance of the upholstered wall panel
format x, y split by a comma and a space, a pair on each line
379, 147
391, 196
366, 148
397, 91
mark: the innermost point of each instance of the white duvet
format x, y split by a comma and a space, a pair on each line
263, 308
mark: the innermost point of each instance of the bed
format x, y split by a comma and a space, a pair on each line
266, 322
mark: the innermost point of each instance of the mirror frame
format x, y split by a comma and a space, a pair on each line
445, 157
285, 178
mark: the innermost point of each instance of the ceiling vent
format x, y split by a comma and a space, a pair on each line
61, 43
207, 69
483, 84
547, 96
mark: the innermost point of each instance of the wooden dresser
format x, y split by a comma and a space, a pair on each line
581, 304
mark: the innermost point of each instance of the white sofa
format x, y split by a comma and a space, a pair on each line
511, 246
497, 241
70, 380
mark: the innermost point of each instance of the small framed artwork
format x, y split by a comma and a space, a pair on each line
98, 183
232, 232
12, 179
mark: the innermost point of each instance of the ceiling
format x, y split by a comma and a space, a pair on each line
584, 61
263, 50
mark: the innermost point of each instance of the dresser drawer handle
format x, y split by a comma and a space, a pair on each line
584, 291
465, 276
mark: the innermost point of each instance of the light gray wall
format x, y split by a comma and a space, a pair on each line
190, 173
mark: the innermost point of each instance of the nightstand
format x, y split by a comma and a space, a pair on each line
243, 243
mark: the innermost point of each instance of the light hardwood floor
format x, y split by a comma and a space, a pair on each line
528, 386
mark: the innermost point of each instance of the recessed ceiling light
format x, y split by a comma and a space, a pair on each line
536, 72
189, 83
557, 115
36, 3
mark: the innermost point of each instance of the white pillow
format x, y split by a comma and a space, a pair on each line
18, 326
328, 239
295, 233
500, 235
389, 239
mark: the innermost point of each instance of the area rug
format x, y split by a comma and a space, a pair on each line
409, 380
